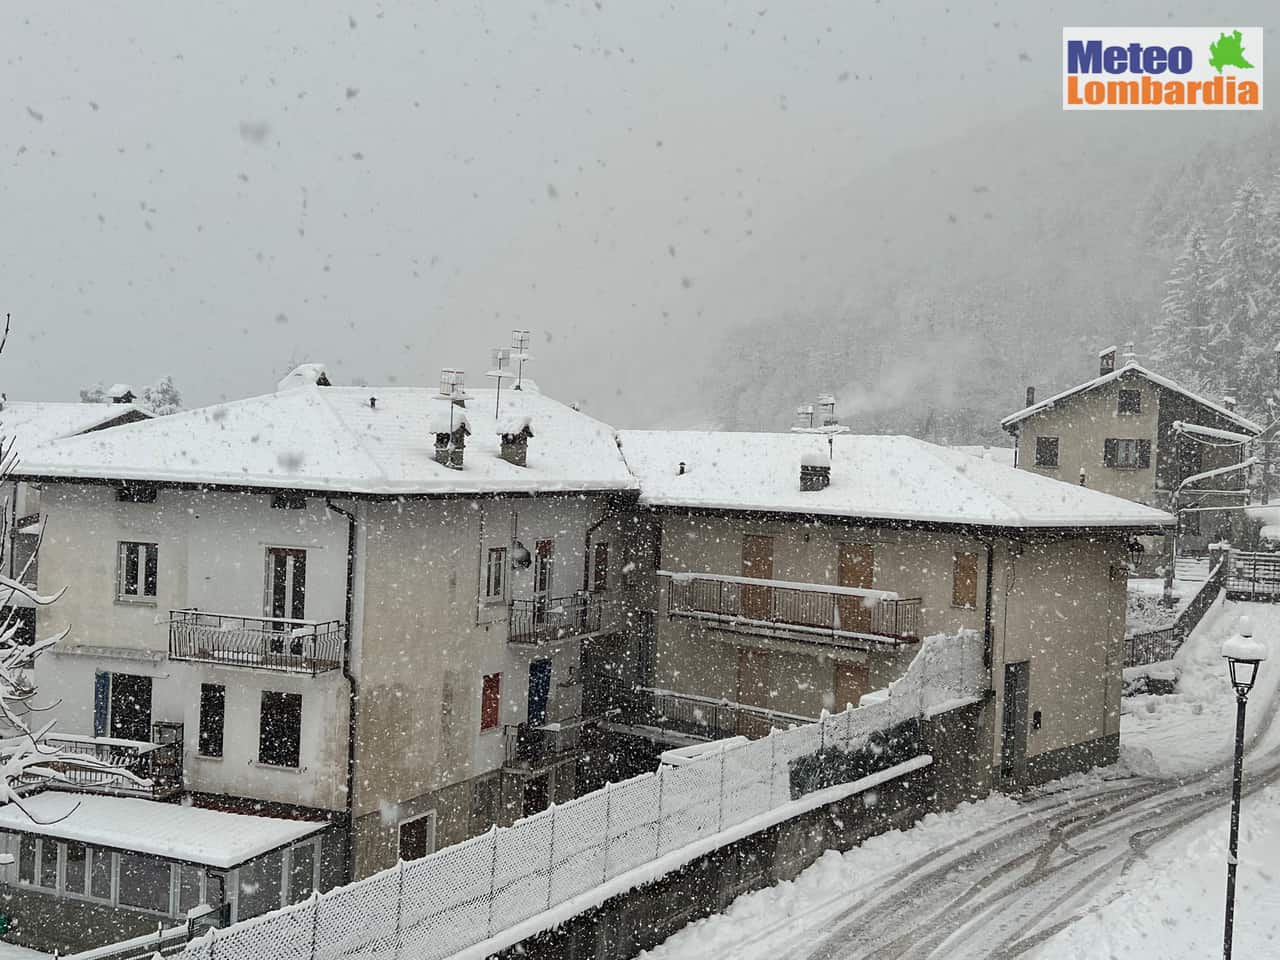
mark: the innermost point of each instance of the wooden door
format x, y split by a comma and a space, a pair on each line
757, 562
857, 569
851, 682
753, 690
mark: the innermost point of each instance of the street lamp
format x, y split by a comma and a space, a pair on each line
1243, 655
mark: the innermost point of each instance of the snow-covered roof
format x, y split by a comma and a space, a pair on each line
332, 440
210, 837
982, 452
872, 477
30, 423
1130, 369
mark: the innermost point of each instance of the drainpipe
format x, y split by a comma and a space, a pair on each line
348, 867
988, 642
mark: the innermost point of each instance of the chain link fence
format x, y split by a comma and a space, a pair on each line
431, 908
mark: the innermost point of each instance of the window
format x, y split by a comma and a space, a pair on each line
495, 573
76, 869
1126, 454
280, 729
1130, 401
190, 880
260, 882
302, 872
27, 858
418, 836
99, 874
964, 585
138, 567
213, 711
600, 568
1046, 451
144, 883
490, 701
48, 864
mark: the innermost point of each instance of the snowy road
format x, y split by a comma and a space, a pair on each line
1053, 875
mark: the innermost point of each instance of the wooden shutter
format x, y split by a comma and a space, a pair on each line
1144, 454
1110, 451
964, 587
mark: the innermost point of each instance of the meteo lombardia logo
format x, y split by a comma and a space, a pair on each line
1162, 68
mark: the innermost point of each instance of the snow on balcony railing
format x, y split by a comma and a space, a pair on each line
820, 610
551, 619
572, 855
157, 765
279, 643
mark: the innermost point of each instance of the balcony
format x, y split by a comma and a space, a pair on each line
158, 765
529, 749
550, 620
703, 718
840, 616
290, 646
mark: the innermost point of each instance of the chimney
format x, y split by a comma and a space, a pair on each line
680, 470
1031, 397
448, 421
1106, 361
121, 393
815, 472
1229, 403
515, 434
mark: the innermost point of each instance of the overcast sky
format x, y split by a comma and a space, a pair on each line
216, 190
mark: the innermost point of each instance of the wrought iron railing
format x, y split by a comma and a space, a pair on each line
704, 718
542, 746
1156, 646
548, 619
1256, 574
294, 646
157, 765
838, 613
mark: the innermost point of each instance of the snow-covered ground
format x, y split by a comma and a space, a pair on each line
1126, 861
1145, 611
11, 951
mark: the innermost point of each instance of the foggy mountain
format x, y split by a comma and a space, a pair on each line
1021, 250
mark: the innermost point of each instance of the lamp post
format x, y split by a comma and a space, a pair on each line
1243, 655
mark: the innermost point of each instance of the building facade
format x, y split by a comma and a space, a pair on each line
1116, 433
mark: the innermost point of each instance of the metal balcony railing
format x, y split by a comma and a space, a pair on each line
292, 646
545, 620
533, 748
839, 614
159, 765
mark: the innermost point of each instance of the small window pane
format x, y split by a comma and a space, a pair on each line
49, 863
302, 867
280, 729
260, 885
99, 874
1046, 451
27, 859
189, 878
76, 868
213, 706
144, 883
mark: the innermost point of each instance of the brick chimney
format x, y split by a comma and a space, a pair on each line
448, 421
515, 434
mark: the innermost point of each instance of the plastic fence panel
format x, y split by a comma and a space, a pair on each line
633, 830
358, 920
447, 903
196, 950
523, 870
834, 732
690, 803
578, 854
747, 781
286, 935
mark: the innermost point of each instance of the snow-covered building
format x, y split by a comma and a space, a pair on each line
775, 576
343, 626
1122, 433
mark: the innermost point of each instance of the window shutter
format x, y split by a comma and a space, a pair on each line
1110, 448
1144, 453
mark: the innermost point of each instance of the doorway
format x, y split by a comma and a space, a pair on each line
286, 594
1013, 751
539, 691
130, 707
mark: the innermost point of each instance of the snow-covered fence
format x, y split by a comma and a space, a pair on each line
628, 833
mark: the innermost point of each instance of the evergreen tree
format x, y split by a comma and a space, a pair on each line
1185, 322
1242, 306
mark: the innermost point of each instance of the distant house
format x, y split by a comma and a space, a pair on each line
329, 609
1116, 433
775, 576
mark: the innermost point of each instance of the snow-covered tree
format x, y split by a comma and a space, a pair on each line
162, 397
95, 394
27, 759
1186, 314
